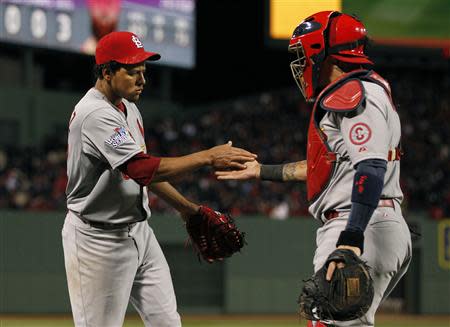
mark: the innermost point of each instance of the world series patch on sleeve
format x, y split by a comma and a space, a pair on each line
116, 139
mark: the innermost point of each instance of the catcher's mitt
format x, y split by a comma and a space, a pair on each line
347, 296
213, 234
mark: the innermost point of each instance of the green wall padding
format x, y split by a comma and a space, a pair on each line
265, 277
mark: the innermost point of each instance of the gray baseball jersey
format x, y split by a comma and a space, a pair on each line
370, 134
101, 138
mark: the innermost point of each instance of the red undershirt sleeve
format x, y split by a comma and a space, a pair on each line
141, 168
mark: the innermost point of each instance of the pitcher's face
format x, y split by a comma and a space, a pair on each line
128, 82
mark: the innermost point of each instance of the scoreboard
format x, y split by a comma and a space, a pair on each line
164, 26
419, 23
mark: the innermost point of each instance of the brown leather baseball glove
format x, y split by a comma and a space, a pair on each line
214, 235
347, 296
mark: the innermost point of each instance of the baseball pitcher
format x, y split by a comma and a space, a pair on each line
111, 254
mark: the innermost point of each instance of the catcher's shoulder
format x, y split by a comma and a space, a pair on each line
345, 97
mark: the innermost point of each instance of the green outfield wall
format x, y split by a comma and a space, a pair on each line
264, 278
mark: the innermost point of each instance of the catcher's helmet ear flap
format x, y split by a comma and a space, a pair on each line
347, 39
322, 34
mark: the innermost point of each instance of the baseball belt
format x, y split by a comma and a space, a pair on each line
108, 226
331, 214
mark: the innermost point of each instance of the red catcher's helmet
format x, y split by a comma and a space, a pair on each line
326, 33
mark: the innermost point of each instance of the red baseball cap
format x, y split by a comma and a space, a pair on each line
123, 47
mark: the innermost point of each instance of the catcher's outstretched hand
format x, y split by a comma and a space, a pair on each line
252, 170
333, 264
227, 156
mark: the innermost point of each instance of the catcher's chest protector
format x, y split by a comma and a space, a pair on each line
319, 167
344, 95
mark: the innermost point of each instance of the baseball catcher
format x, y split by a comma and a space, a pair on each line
352, 172
347, 296
214, 235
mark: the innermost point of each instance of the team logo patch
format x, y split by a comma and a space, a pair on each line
360, 133
136, 41
119, 137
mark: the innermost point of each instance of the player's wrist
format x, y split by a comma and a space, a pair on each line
351, 238
189, 209
271, 172
205, 157
258, 171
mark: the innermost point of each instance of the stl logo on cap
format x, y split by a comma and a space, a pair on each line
136, 41
123, 47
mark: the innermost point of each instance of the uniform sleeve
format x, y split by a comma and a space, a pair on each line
106, 137
141, 168
366, 134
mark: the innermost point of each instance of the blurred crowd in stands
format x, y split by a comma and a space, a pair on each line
273, 125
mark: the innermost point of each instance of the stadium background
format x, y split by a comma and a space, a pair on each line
240, 88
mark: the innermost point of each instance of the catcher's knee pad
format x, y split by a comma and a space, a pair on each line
316, 324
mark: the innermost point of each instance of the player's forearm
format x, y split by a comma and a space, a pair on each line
145, 169
367, 188
174, 198
294, 171
171, 167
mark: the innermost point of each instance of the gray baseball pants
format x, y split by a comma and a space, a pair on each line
108, 268
387, 250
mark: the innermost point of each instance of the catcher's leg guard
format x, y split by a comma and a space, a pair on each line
316, 324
